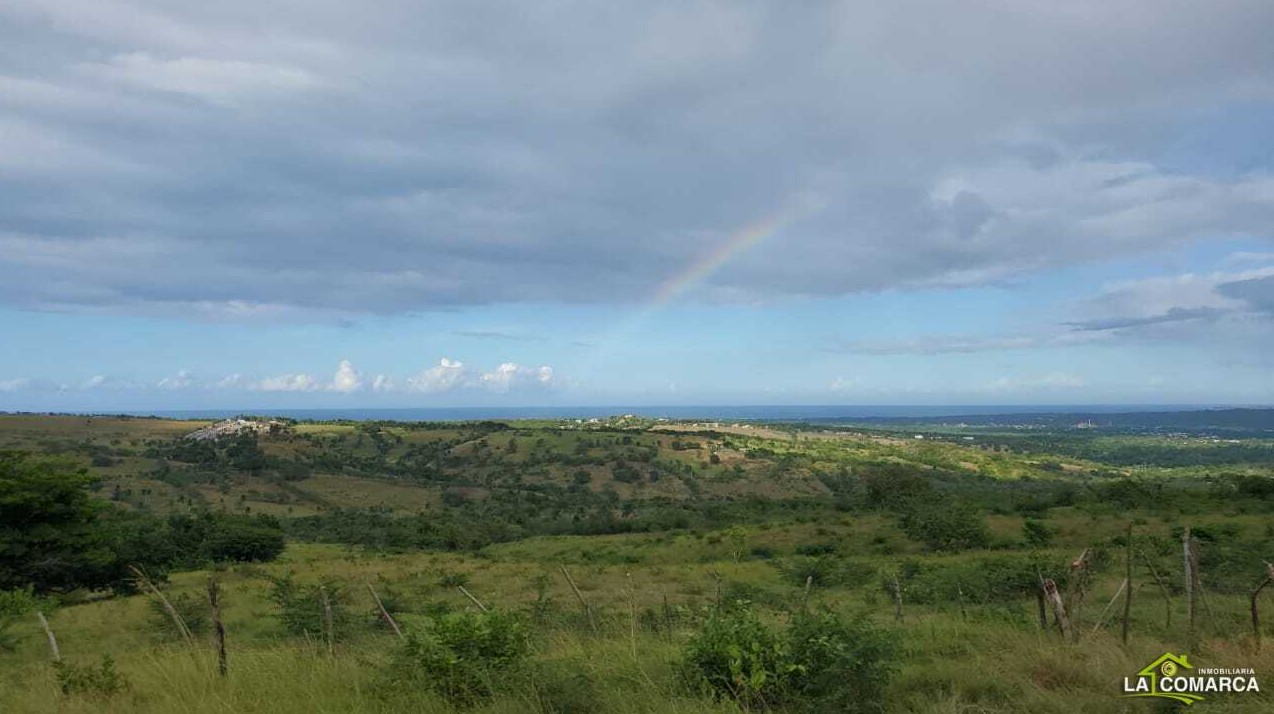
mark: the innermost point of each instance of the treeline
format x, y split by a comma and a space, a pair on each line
508, 515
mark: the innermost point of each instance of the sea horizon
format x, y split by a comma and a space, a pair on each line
715, 412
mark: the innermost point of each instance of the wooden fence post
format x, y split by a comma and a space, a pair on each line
1059, 608
897, 593
1163, 588
1039, 601
218, 629
385, 613
1128, 582
1101, 619
1256, 594
1076, 588
329, 626
580, 596
473, 599
1189, 559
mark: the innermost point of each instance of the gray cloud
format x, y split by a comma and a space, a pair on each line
389, 157
1258, 293
1176, 314
1229, 307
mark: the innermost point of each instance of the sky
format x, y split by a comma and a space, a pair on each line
330, 203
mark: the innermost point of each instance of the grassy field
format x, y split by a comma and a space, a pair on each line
986, 660
772, 523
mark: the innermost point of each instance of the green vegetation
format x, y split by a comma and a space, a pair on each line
710, 569
55, 537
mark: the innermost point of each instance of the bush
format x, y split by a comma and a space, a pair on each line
994, 579
1036, 533
737, 657
821, 663
243, 541
838, 664
826, 571
100, 681
301, 608
946, 526
14, 604
463, 655
453, 579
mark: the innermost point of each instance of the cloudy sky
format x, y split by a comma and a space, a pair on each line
435, 203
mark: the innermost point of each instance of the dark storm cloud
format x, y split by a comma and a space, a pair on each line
333, 158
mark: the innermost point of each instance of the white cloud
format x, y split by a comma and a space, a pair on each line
181, 380
384, 383
234, 381
447, 375
1043, 382
347, 379
215, 80
13, 385
290, 383
510, 375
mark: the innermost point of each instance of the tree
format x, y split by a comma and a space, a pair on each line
242, 540
946, 526
48, 535
55, 537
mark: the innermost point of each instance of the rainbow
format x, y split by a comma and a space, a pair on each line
737, 244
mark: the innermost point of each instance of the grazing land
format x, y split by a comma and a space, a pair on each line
630, 565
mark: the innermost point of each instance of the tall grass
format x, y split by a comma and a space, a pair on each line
992, 658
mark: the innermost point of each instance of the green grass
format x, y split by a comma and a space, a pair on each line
991, 659
957, 657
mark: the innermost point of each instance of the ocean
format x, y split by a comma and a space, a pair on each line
822, 413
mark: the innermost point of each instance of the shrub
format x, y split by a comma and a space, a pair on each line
825, 571
453, 579
301, 608
993, 579
1036, 533
945, 526
821, 663
14, 604
100, 681
463, 655
838, 664
737, 657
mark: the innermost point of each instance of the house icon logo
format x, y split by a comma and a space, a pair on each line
1171, 676
1148, 682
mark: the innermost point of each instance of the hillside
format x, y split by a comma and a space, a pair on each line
617, 546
